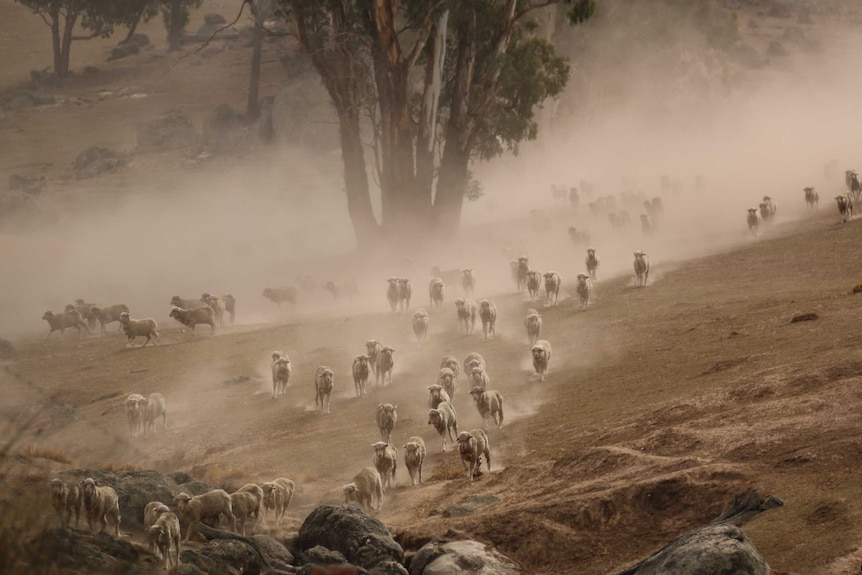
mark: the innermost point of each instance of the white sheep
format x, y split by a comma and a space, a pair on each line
185, 303
812, 198
154, 409
523, 268
552, 287
466, 309
280, 373
845, 209
360, 374
533, 282
585, 290
489, 403
447, 379
386, 463
533, 324
208, 505
257, 492
444, 420
471, 446
641, 266
592, 263
191, 317
405, 292
323, 387
372, 350
366, 486
280, 295
135, 327
385, 365
753, 220
277, 495
541, 357
218, 307
227, 303
420, 324
387, 417
468, 282
488, 314
479, 378
136, 408
437, 394
67, 501
108, 314
451, 363
152, 510
414, 457
436, 292
100, 505
392, 293
244, 505
61, 321
163, 537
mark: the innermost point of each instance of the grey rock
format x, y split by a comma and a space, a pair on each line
443, 557
200, 563
776, 49
170, 131
139, 39
7, 350
318, 555
28, 184
470, 505
363, 540
276, 553
26, 99
95, 161
69, 550
123, 51
223, 129
780, 10
206, 32
213, 18
91, 70
63, 415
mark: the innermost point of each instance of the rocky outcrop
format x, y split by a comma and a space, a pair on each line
444, 557
95, 160
170, 131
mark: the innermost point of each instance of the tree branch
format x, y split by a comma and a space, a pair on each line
421, 40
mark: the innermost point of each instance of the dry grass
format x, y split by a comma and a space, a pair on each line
48, 453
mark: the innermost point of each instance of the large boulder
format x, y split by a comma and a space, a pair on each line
7, 350
363, 540
167, 132
223, 129
124, 50
213, 23
442, 557
28, 184
95, 160
67, 550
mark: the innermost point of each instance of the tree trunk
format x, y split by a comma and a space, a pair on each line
426, 139
66, 49
356, 181
175, 31
59, 71
134, 26
451, 185
252, 110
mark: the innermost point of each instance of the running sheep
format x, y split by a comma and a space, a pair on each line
489, 404
541, 357
67, 500
227, 302
488, 314
209, 505
372, 350
135, 327
436, 291
585, 290
163, 538
385, 365
360, 374
387, 417
468, 282
136, 407
191, 317
61, 321
466, 309
392, 293
552, 287
366, 487
277, 495
405, 293
155, 408
420, 325
533, 323
437, 394
444, 421
641, 266
281, 371
592, 263
414, 457
534, 283
108, 314
100, 505
447, 379
386, 463
472, 446
323, 387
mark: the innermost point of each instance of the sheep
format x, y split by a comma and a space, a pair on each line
574, 199
444, 420
163, 537
332, 289
392, 293
257, 492
191, 317
85, 309
552, 287
386, 463
471, 360
641, 266
281, 295
405, 292
513, 268
366, 486
385, 365
323, 387
523, 270
436, 291
66, 319
185, 303
414, 457
66, 501
845, 209
136, 408
585, 290
489, 403
152, 510
100, 504
541, 357
154, 409
592, 262
851, 178
451, 363
753, 220
373, 349
360, 374
479, 377
420, 324
767, 210
135, 327
277, 495
468, 282
449, 277
280, 373
208, 505
218, 307
488, 314
534, 282
387, 417
812, 198
243, 505
447, 379
108, 314
533, 324
579, 237
227, 300
471, 446
466, 309
437, 394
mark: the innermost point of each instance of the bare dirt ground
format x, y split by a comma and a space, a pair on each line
660, 405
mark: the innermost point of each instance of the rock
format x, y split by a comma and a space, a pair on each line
199, 563
139, 40
212, 19
7, 350
780, 10
747, 56
179, 477
123, 50
804, 317
235, 555
238, 380
363, 540
66, 550
276, 553
170, 131
26, 99
95, 161
805, 18
223, 129
776, 49
795, 34
470, 505
442, 557
91, 70
206, 32
194, 487
322, 556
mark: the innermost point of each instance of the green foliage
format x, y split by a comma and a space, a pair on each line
96, 16
580, 10
475, 189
